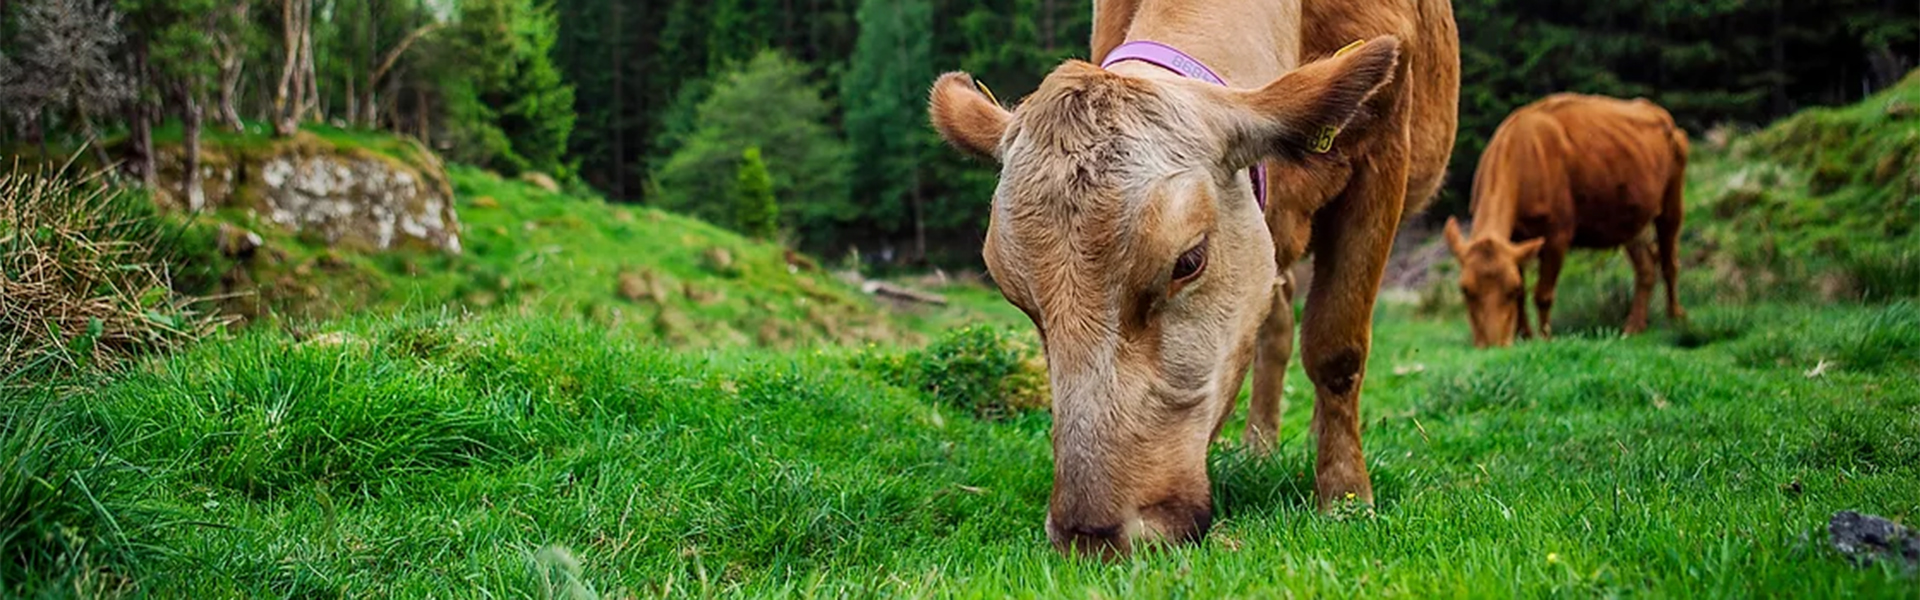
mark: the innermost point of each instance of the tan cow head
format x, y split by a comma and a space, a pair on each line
1490, 280
1124, 226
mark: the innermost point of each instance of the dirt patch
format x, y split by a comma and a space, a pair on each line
1418, 252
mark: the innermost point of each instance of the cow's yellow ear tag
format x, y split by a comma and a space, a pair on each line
1350, 47
984, 90
1323, 143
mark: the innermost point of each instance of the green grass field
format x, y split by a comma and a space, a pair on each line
588, 404
495, 457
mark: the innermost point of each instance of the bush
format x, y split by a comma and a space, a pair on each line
86, 276
988, 371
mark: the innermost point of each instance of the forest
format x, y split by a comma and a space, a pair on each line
658, 102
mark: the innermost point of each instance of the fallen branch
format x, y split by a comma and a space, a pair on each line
882, 288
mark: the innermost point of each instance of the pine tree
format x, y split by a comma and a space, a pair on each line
885, 96
769, 103
755, 213
508, 107
66, 64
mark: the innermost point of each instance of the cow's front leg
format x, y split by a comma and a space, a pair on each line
1353, 237
1553, 256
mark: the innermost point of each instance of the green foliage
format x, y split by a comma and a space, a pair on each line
756, 215
510, 108
885, 95
767, 103
985, 370
1824, 204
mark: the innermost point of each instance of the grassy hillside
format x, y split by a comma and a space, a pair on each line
526, 456
1826, 202
634, 270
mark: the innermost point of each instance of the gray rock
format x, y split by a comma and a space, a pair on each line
1868, 538
350, 198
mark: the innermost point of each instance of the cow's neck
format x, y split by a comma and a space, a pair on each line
1493, 217
1247, 42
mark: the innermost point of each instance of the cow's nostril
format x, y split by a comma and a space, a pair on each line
1100, 541
1108, 532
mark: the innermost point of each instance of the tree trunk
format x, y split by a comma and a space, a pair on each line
353, 104
190, 176
92, 132
232, 67
40, 134
919, 226
1046, 25
286, 99
233, 62
310, 108
420, 105
619, 109
378, 75
143, 121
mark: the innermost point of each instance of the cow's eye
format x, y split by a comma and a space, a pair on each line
1191, 263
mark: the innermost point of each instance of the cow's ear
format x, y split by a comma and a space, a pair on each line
1526, 250
1455, 241
1303, 111
966, 116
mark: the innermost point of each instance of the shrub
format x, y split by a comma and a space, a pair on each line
86, 274
987, 370
992, 373
755, 215
771, 103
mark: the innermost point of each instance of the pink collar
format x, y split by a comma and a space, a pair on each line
1166, 57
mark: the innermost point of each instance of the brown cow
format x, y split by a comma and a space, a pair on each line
1125, 227
1564, 172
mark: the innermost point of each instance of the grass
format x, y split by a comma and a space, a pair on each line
437, 455
88, 274
1825, 203
633, 270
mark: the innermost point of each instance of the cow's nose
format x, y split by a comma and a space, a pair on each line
1179, 522
1078, 538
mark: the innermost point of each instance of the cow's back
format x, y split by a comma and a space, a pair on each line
1613, 158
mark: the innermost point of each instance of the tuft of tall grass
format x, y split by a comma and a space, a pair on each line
87, 276
62, 521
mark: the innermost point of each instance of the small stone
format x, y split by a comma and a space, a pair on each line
541, 180
238, 243
1869, 538
486, 202
720, 260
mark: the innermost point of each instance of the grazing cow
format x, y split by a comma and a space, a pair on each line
1570, 171
1125, 225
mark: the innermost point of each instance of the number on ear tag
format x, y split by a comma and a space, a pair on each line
1323, 143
